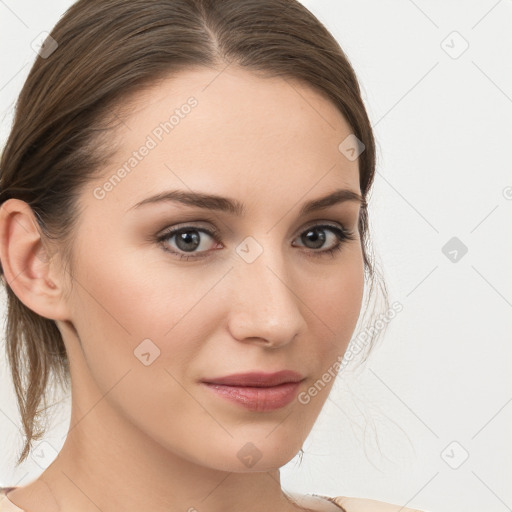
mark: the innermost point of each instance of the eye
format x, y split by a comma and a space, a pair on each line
315, 236
188, 240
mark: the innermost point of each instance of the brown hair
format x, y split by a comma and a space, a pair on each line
108, 50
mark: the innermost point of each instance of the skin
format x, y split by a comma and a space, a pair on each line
152, 437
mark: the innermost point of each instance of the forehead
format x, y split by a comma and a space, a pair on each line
218, 130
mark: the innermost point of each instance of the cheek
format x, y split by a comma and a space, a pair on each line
336, 299
332, 318
140, 332
335, 309
134, 296
131, 311
127, 316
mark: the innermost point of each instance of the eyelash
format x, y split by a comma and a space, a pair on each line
342, 234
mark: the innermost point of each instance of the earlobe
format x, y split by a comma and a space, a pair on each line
25, 261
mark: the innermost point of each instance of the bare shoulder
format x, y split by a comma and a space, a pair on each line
351, 504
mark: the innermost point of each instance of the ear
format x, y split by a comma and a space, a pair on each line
27, 267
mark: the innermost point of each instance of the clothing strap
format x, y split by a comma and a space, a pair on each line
332, 500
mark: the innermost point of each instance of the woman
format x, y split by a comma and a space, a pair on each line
235, 127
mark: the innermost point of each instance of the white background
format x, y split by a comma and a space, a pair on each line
442, 372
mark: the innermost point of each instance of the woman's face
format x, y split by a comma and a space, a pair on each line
254, 290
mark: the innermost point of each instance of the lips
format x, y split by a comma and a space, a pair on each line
257, 391
257, 379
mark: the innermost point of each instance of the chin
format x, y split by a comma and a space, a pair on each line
246, 456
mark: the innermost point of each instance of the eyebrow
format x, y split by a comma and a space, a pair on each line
234, 207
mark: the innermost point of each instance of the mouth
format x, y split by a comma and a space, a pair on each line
257, 391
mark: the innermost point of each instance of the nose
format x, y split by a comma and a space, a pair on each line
266, 309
